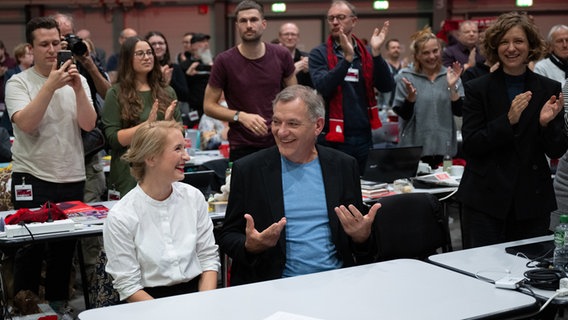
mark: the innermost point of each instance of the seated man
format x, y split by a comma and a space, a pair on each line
300, 210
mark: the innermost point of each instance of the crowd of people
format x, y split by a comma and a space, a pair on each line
298, 123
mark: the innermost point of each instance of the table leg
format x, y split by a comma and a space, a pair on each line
84, 279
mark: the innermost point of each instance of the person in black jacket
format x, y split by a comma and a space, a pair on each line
272, 229
512, 119
5, 146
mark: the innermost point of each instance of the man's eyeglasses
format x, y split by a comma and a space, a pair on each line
339, 17
140, 54
290, 34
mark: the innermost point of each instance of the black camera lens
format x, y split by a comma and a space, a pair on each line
76, 45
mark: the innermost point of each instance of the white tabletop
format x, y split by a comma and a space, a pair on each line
397, 289
492, 263
81, 230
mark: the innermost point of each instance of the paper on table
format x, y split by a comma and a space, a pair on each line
281, 315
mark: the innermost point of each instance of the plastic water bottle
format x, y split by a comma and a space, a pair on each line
447, 163
561, 244
229, 169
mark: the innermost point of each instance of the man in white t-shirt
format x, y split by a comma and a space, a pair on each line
48, 105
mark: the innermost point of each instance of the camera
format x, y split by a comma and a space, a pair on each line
76, 45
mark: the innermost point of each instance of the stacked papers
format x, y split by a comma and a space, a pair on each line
441, 179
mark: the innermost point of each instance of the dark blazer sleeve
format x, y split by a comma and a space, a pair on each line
343, 187
5, 146
256, 189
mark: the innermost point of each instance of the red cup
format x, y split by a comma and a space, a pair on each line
224, 149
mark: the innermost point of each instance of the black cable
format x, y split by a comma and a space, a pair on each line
546, 279
23, 224
49, 217
538, 262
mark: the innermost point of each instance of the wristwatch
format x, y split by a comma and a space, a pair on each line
236, 116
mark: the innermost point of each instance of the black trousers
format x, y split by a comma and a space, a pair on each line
174, 290
480, 229
58, 255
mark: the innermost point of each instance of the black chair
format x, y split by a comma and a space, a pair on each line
411, 225
201, 180
220, 167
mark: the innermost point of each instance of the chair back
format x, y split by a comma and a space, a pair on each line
411, 225
201, 180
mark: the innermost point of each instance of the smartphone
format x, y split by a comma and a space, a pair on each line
63, 56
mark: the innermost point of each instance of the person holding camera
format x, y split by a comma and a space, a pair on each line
48, 107
90, 68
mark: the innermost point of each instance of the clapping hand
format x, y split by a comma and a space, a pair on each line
167, 73
378, 38
411, 97
519, 104
550, 109
168, 114
346, 45
453, 74
257, 242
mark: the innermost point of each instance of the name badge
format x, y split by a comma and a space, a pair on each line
113, 195
352, 75
24, 192
194, 116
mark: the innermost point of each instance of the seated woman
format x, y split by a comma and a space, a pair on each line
159, 238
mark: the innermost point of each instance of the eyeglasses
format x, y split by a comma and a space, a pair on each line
140, 54
156, 44
290, 34
339, 17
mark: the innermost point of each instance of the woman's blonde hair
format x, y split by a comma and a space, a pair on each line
149, 140
418, 40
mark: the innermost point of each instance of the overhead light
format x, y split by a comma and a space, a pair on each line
524, 3
279, 7
380, 5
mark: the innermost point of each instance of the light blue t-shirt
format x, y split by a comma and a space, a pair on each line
309, 247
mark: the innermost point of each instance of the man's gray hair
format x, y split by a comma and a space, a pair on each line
554, 29
313, 101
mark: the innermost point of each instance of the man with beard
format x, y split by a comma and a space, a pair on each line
346, 74
250, 75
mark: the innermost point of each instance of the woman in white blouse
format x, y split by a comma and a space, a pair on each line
159, 238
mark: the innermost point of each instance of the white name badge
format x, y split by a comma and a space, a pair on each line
352, 75
24, 192
194, 116
113, 195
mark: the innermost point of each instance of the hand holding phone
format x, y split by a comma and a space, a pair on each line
63, 56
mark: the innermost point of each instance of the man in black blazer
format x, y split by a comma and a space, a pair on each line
295, 208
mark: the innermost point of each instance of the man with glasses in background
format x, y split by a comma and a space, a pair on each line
345, 73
